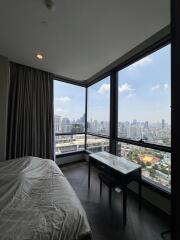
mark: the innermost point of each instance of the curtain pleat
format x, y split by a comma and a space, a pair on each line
30, 113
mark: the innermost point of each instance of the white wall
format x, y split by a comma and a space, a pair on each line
4, 88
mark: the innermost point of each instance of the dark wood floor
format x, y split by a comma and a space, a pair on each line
106, 224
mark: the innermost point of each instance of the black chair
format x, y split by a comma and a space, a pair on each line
110, 182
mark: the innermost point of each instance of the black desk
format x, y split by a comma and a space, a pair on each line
119, 167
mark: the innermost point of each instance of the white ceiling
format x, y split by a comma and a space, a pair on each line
81, 37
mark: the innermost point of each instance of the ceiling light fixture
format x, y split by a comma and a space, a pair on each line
39, 56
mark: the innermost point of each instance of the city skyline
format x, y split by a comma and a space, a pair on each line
127, 121
159, 133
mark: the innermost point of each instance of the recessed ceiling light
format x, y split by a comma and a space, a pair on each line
44, 23
39, 56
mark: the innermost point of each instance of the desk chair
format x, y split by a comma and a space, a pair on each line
110, 182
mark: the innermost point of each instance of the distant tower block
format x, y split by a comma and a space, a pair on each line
146, 124
163, 123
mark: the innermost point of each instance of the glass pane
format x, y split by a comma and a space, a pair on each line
98, 107
144, 101
156, 165
69, 108
69, 143
97, 144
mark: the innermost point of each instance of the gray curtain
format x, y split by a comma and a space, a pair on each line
30, 113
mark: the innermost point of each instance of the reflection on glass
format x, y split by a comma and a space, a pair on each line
97, 144
156, 165
69, 143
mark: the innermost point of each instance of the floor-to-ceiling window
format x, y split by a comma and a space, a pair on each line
144, 115
140, 129
98, 116
69, 117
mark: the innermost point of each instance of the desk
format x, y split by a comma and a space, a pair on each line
119, 167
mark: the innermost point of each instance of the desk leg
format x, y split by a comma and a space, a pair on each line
89, 173
124, 203
140, 190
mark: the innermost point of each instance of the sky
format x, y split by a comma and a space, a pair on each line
99, 100
69, 100
143, 89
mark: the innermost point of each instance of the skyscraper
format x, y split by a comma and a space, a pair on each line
163, 123
146, 124
57, 124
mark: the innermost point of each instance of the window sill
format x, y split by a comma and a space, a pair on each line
69, 153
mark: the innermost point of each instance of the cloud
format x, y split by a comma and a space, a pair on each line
125, 88
131, 95
155, 87
105, 87
63, 99
60, 111
166, 86
158, 86
142, 62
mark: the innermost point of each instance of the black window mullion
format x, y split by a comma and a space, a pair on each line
144, 144
66, 134
86, 99
98, 135
113, 111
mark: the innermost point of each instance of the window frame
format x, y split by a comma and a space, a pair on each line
148, 182
114, 111
113, 137
154, 48
57, 78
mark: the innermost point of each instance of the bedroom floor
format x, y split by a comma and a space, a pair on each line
106, 224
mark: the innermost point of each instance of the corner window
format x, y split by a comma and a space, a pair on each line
69, 117
144, 99
144, 115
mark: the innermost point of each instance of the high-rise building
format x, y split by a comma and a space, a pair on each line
163, 123
146, 124
134, 122
57, 124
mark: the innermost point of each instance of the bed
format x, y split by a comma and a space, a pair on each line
37, 202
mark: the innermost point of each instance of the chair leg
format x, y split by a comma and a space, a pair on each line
110, 197
100, 187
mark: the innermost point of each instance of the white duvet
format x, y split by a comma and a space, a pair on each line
37, 202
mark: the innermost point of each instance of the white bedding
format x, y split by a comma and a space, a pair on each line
37, 202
